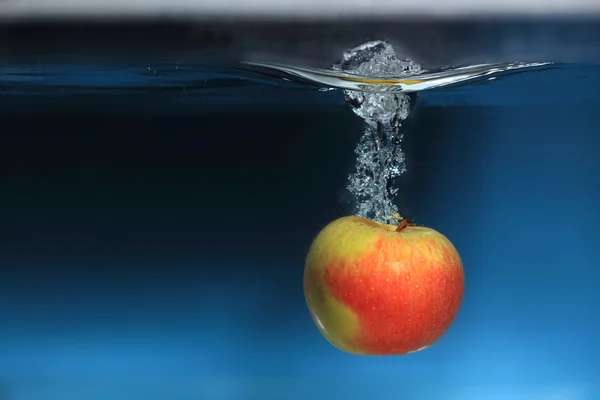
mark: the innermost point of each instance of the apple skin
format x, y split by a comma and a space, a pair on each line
372, 290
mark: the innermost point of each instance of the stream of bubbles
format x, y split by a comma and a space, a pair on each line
380, 158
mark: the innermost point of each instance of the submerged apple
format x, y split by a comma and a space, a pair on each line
377, 289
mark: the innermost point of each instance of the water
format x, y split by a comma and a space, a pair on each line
156, 215
379, 154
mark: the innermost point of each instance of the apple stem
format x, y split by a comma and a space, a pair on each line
404, 223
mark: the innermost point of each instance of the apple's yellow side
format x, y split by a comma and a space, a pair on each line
341, 244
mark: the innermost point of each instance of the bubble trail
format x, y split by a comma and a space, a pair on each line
380, 158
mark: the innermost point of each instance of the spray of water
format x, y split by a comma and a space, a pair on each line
379, 154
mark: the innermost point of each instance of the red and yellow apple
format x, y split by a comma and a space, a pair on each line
378, 289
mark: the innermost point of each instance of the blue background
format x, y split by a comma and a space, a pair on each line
159, 255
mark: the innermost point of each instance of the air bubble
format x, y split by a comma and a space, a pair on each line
379, 156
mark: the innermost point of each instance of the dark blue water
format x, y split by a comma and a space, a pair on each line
154, 221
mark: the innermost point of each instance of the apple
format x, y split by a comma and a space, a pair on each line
378, 289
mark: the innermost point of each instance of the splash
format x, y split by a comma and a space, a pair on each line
381, 88
380, 158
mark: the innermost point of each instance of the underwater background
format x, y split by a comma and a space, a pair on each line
157, 202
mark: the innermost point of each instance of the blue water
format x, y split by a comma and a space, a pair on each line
240, 85
156, 218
